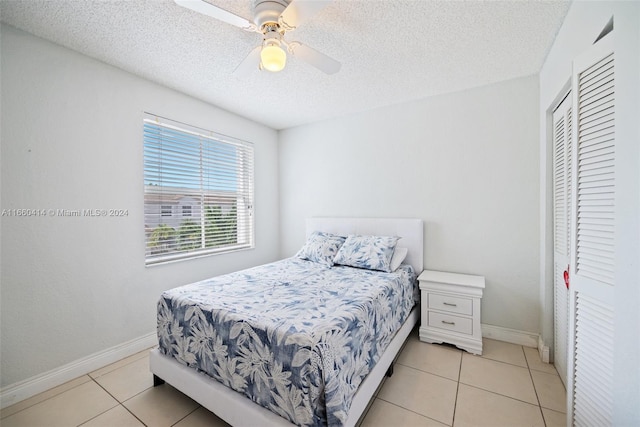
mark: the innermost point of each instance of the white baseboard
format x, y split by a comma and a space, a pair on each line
527, 339
543, 350
30, 387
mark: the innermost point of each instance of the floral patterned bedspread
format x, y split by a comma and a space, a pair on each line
294, 336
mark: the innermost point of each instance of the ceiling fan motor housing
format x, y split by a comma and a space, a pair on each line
268, 11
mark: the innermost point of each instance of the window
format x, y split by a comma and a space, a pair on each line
209, 178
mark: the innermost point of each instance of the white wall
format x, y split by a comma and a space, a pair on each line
72, 139
466, 163
582, 25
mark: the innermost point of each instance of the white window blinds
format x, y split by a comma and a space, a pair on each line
198, 191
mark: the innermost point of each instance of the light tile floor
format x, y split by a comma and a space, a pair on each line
432, 385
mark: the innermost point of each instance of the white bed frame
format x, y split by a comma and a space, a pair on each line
238, 410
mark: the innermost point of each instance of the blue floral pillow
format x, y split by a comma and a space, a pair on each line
370, 252
321, 247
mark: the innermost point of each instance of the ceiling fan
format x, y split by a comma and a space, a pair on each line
273, 19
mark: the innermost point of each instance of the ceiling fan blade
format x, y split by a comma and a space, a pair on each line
208, 9
315, 58
249, 64
299, 11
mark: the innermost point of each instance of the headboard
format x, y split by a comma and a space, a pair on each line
409, 229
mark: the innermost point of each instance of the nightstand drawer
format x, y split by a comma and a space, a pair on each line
451, 304
450, 323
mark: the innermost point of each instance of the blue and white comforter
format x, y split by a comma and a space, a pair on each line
294, 336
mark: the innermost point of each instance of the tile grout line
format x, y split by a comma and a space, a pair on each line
455, 404
504, 395
94, 379
44, 400
408, 410
128, 410
180, 420
430, 373
132, 361
526, 366
116, 399
134, 415
501, 361
535, 390
538, 397
500, 394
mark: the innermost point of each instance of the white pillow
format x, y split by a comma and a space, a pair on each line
398, 256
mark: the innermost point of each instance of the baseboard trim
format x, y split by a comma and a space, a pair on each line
527, 339
543, 350
22, 390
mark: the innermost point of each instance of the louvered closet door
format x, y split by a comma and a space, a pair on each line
592, 236
562, 131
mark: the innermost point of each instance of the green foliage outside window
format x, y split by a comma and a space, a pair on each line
220, 230
189, 235
162, 239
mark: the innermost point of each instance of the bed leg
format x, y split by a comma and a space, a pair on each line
389, 371
157, 381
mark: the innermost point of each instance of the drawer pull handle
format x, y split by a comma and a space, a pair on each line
450, 304
448, 323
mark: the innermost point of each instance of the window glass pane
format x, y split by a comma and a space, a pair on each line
198, 191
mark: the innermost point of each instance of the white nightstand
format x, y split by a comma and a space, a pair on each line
451, 309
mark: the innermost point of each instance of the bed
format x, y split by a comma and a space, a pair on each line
276, 355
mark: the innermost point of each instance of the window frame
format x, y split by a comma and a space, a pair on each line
215, 174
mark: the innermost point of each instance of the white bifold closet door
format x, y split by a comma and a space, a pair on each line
592, 238
562, 133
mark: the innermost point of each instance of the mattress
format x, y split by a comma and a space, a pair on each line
294, 336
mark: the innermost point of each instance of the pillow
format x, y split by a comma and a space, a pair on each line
398, 256
321, 248
370, 252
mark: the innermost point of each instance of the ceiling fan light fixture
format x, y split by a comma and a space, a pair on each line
272, 19
272, 57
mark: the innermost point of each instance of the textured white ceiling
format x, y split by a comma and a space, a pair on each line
392, 51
